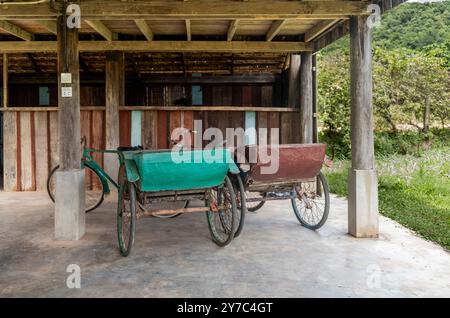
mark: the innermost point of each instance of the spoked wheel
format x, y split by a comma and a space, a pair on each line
222, 216
240, 203
255, 205
94, 192
126, 214
312, 202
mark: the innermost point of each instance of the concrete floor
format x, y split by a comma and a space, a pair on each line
274, 257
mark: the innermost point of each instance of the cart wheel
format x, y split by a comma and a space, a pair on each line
240, 203
312, 202
223, 222
126, 216
94, 193
254, 206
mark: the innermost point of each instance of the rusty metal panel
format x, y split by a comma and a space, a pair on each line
296, 162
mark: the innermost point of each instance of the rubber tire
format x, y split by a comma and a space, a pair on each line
243, 209
86, 167
210, 216
327, 206
125, 250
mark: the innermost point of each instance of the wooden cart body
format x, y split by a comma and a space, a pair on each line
165, 170
297, 163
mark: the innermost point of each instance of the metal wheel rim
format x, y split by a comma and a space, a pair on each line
222, 221
310, 201
253, 195
92, 196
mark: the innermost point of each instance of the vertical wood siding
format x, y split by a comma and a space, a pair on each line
31, 138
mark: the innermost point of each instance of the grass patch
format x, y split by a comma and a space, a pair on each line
413, 190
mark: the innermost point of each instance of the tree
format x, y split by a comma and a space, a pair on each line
334, 101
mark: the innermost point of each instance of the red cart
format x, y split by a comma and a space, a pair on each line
298, 178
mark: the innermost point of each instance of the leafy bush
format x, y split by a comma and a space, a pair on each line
388, 143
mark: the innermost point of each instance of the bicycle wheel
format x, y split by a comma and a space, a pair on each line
312, 202
94, 192
222, 223
126, 216
240, 203
255, 205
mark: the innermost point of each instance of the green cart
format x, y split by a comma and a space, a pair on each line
148, 179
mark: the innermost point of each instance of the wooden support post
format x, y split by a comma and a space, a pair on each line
363, 192
115, 97
306, 99
69, 107
69, 203
5, 80
314, 109
294, 81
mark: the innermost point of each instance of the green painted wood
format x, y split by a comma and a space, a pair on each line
136, 131
197, 93
132, 171
44, 96
250, 128
193, 169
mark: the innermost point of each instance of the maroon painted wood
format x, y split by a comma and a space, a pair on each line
296, 162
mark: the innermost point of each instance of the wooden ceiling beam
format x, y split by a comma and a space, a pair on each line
16, 31
50, 25
188, 30
102, 29
201, 9
318, 29
275, 29
232, 29
163, 46
145, 29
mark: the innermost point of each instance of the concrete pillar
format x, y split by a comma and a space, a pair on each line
69, 197
69, 205
362, 182
306, 99
115, 97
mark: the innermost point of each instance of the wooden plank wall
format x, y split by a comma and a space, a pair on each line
31, 138
31, 146
153, 136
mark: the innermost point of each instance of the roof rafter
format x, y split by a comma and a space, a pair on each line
145, 29
50, 25
318, 29
188, 30
275, 29
232, 29
102, 29
16, 31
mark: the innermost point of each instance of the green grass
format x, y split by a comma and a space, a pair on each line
413, 190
